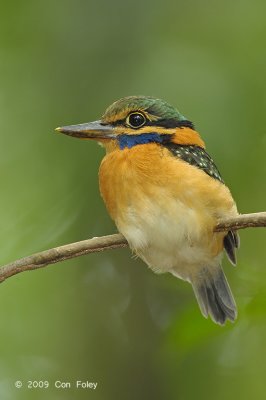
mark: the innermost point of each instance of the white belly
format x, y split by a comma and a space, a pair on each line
169, 239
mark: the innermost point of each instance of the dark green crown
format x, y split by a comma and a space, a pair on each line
157, 107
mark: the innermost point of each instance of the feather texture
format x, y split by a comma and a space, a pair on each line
214, 295
167, 210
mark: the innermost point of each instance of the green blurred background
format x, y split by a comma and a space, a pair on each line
105, 317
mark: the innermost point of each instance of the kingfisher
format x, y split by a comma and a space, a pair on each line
166, 195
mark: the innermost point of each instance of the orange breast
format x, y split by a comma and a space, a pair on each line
138, 182
129, 175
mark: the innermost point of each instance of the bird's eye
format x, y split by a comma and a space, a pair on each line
136, 120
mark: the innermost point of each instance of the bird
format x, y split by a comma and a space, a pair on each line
166, 195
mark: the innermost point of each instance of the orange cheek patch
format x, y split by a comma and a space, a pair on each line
187, 136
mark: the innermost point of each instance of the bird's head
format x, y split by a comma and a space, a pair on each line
137, 120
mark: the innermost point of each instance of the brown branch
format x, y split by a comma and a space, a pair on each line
255, 220
51, 256
61, 253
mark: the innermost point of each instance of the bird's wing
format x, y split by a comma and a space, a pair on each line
199, 158
231, 242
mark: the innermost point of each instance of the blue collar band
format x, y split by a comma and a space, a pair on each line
130, 141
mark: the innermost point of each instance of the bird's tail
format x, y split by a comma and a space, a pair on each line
214, 295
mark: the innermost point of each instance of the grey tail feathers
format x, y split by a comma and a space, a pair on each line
214, 295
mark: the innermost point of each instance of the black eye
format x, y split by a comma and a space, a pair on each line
136, 120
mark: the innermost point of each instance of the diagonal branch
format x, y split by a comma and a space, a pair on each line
255, 220
61, 253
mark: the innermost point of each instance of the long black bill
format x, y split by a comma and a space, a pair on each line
90, 130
